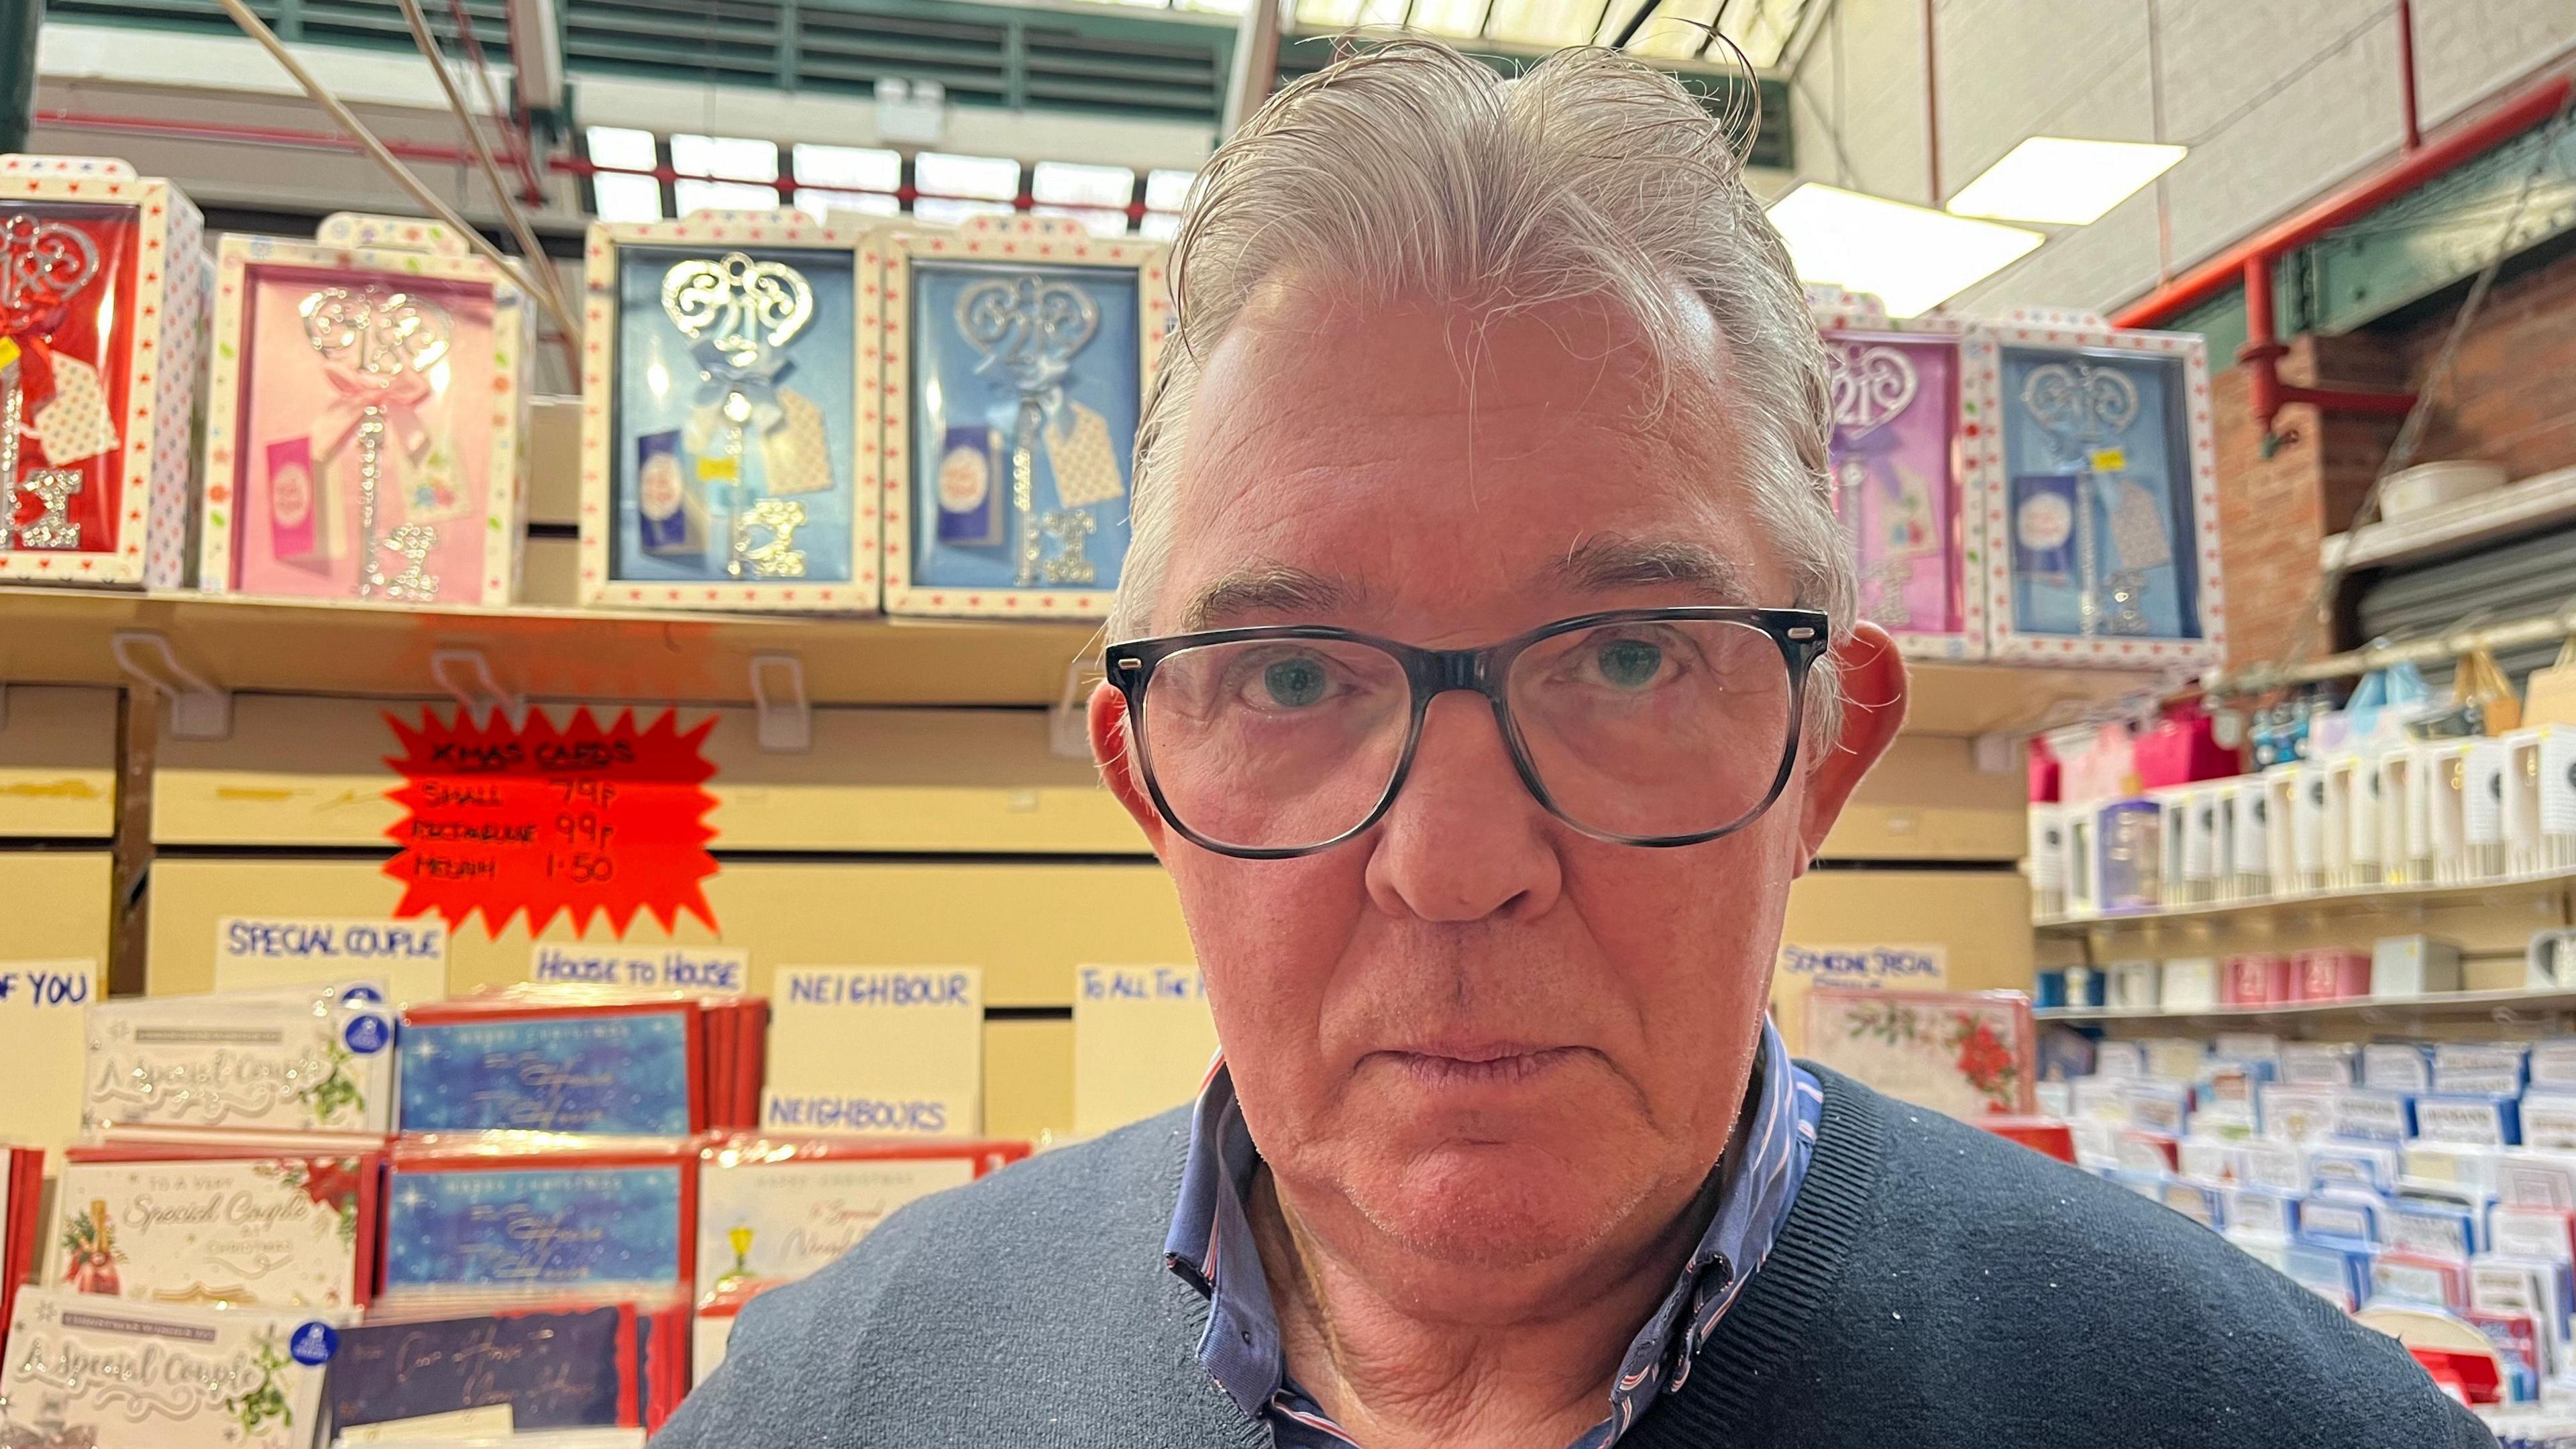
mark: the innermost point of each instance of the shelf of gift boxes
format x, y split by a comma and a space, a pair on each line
2335, 901
2514, 1002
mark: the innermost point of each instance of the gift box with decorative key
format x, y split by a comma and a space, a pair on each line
365, 418
2105, 515
1911, 456
1016, 352
103, 286
726, 404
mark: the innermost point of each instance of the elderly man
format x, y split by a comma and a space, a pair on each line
1484, 673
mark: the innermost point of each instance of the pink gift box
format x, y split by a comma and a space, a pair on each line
389, 353
2329, 975
2256, 980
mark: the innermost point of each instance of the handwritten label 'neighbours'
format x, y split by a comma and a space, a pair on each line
876, 1050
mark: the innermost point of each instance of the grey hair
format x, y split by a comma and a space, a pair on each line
1410, 171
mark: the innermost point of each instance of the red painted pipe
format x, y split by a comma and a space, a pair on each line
2406, 72
2262, 352
2525, 109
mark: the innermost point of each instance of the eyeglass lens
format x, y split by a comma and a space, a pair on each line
1641, 729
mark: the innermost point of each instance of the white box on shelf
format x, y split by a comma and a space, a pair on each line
2137, 984
2205, 863
2296, 864
2188, 983
2403, 966
2246, 819
2317, 825
2540, 799
2549, 964
2175, 885
2357, 781
2330, 782
2405, 816
2481, 787
2047, 860
2083, 898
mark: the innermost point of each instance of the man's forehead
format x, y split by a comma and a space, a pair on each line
1272, 591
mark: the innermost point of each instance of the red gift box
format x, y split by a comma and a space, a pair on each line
104, 334
2255, 979
2329, 975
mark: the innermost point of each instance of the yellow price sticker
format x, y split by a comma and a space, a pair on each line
712, 469
2108, 460
8, 352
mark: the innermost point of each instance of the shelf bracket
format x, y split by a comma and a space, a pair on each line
198, 710
477, 693
1996, 753
785, 721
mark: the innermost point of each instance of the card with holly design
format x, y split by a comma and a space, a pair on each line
109, 1374
270, 1232
1966, 1053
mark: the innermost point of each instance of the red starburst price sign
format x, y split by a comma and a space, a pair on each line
549, 820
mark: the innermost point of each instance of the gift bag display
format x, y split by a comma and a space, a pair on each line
1016, 352
721, 436
363, 437
2549, 695
103, 288
1902, 406
2108, 508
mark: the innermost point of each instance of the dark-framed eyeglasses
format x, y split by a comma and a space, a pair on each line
1653, 727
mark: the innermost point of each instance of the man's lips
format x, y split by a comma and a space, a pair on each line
1477, 1063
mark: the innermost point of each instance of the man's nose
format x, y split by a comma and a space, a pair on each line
1465, 839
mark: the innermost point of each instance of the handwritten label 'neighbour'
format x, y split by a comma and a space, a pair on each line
876, 1050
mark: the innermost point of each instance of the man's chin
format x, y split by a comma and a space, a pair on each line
1493, 1204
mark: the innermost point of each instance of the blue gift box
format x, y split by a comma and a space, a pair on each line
2102, 528
686, 466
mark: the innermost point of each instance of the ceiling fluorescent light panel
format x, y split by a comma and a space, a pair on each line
2066, 182
1911, 257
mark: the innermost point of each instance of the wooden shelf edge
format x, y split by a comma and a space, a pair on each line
2352, 900
2438, 1004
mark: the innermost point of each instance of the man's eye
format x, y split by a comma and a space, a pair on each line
1294, 683
1628, 663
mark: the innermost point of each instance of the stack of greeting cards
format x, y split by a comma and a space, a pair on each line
242, 1066
583, 1245
102, 1373
216, 1230
772, 1210
593, 1061
22, 1193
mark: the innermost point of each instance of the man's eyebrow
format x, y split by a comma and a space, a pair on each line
1602, 565
1273, 591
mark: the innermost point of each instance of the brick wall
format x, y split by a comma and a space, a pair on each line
2512, 397
2511, 400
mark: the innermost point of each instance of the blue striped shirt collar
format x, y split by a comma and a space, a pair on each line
1210, 1245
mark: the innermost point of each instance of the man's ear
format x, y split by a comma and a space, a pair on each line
1120, 770
1873, 689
